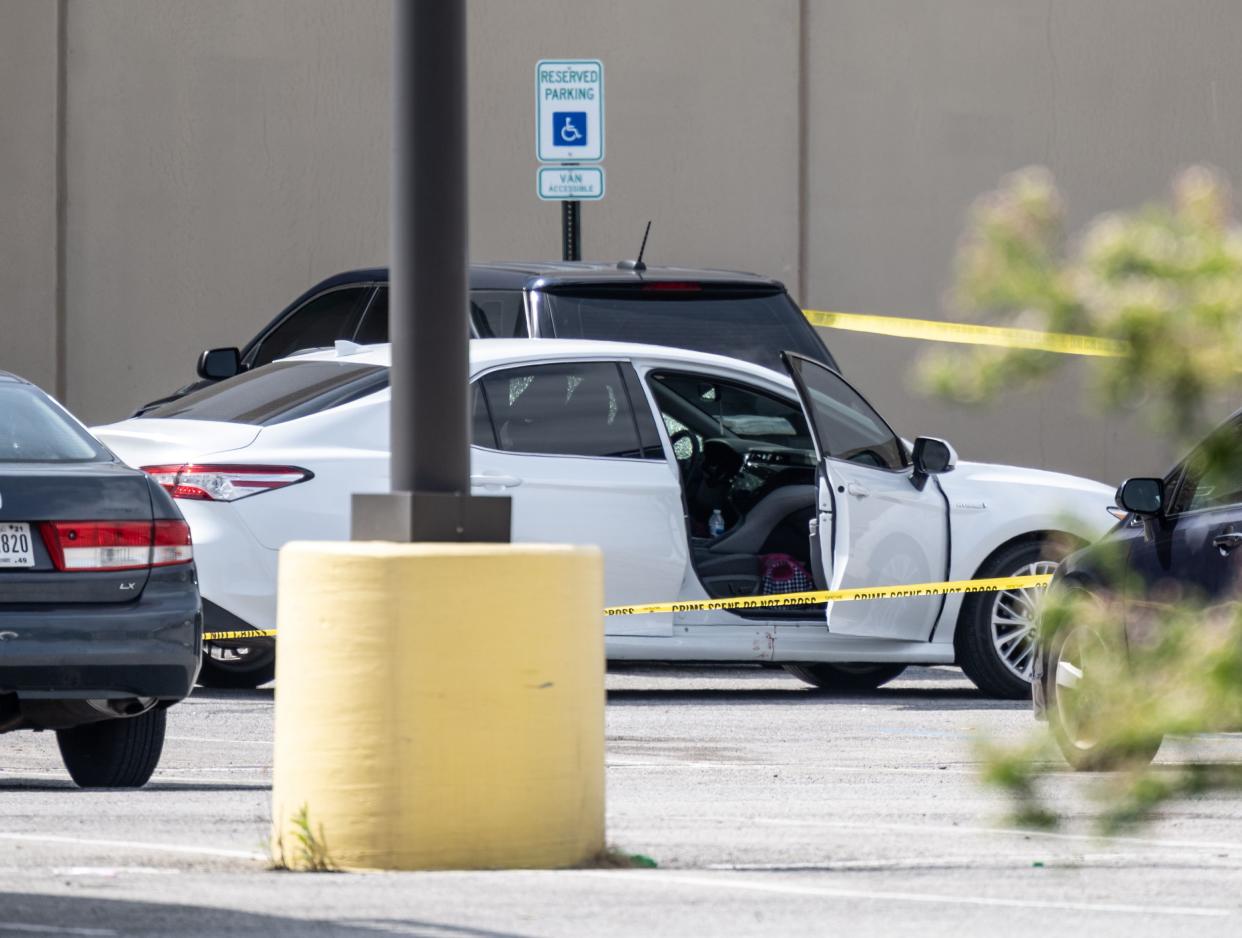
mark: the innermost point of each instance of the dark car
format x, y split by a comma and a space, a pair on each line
100, 621
1179, 539
741, 315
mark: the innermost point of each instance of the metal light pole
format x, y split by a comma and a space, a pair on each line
428, 327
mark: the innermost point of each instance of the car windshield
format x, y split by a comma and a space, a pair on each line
753, 324
276, 393
34, 429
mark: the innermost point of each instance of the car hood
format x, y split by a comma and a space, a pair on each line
151, 441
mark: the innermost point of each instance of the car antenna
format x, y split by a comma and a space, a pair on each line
637, 264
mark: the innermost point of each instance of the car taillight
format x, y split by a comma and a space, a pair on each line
218, 483
117, 545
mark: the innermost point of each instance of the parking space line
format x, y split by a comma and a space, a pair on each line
219, 739
621, 762
133, 845
32, 929
733, 884
962, 829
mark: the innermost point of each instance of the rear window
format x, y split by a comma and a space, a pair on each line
34, 429
755, 325
278, 392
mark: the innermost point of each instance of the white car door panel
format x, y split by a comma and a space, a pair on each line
886, 531
629, 506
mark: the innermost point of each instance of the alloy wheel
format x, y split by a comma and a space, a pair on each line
1014, 618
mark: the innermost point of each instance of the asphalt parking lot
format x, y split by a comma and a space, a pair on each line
770, 810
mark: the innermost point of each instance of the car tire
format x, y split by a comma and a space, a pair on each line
1081, 752
983, 627
114, 753
845, 678
244, 672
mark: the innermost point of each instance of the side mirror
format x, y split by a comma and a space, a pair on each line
931, 457
1141, 496
216, 364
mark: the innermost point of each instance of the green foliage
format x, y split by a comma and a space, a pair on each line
1165, 282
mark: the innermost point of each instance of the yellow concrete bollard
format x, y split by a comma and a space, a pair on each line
439, 706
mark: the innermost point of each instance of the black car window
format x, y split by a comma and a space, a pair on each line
34, 429
754, 324
277, 393
494, 314
569, 409
846, 426
498, 314
1212, 474
317, 323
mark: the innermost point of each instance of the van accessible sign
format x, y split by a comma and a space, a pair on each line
571, 183
569, 111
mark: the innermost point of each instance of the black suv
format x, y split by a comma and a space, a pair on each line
736, 314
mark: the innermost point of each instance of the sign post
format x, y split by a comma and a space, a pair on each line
569, 130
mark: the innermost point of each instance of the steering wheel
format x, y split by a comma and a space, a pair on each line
696, 448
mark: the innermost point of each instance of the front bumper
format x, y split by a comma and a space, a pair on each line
147, 648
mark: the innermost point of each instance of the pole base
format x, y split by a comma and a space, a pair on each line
412, 517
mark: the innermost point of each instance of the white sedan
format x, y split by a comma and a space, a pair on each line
647, 452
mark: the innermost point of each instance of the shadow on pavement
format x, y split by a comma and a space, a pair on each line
223, 693
17, 783
27, 913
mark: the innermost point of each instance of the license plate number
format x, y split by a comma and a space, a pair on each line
16, 547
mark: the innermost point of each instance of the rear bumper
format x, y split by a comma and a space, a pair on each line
147, 648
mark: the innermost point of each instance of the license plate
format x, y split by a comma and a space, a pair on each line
16, 548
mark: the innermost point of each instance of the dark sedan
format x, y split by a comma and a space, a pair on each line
100, 622
1178, 542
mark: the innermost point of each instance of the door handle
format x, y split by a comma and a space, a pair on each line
1227, 543
856, 489
495, 481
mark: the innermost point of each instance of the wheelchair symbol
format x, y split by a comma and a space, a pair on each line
569, 128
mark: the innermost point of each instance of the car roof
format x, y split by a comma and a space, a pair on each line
488, 353
523, 275
9, 377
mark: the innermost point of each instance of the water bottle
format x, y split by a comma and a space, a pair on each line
715, 524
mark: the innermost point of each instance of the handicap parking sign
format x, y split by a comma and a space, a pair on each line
569, 128
569, 110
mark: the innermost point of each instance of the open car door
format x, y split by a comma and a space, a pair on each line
879, 523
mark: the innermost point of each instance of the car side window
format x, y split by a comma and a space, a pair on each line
317, 323
566, 409
846, 426
494, 314
1212, 474
498, 314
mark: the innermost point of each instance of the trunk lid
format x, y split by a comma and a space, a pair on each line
154, 441
32, 493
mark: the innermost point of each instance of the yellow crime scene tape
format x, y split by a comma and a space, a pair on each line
775, 600
966, 333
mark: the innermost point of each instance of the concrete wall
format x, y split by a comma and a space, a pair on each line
221, 155
916, 108
28, 229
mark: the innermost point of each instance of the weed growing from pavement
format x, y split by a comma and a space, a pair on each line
613, 858
311, 851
